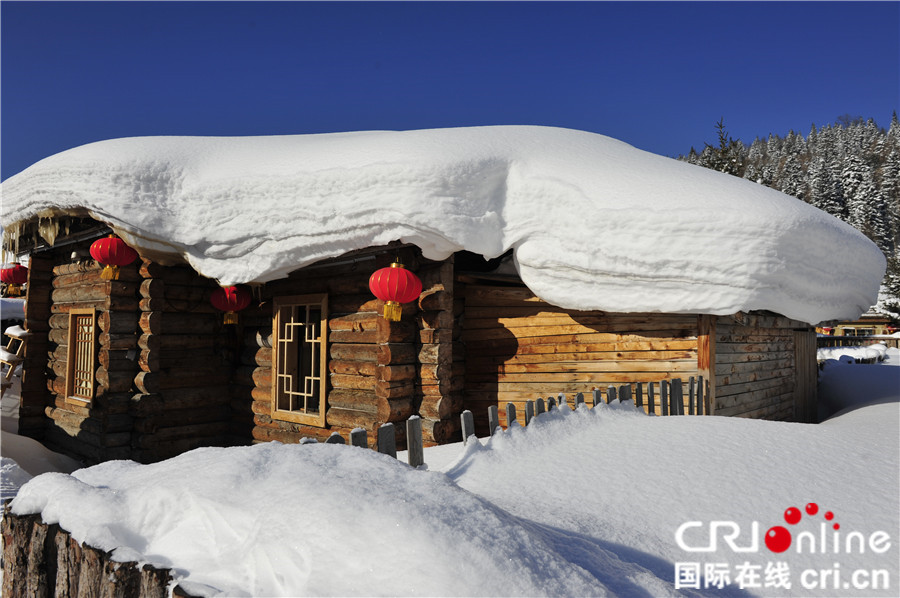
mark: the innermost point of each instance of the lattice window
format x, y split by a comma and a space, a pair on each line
300, 332
80, 364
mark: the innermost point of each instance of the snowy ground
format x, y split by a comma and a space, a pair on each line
584, 503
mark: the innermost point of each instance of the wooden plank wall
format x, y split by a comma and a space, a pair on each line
756, 366
101, 430
186, 363
514, 347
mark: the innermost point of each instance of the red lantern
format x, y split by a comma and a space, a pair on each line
14, 278
395, 285
230, 300
112, 252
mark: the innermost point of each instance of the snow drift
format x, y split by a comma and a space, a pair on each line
594, 223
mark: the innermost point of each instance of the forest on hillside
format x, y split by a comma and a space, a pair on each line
850, 169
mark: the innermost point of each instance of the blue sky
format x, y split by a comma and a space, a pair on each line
656, 75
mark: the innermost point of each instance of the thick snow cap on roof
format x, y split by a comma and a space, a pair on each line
594, 223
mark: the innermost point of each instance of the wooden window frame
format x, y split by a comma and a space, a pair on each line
298, 416
76, 360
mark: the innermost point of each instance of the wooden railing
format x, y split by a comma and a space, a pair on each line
857, 341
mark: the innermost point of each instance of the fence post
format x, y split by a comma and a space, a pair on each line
493, 419
692, 390
676, 397
664, 397
579, 400
307, 440
624, 393
539, 407
551, 403
529, 411
415, 450
639, 395
610, 394
563, 401
468, 425
700, 405
651, 403
335, 438
387, 440
510, 415
359, 437
597, 397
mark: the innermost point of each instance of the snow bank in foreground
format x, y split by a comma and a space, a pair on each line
594, 222
582, 503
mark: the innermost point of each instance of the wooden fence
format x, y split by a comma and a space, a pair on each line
671, 398
857, 341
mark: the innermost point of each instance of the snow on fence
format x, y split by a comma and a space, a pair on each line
671, 402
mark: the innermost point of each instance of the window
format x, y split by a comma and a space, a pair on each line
300, 332
81, 355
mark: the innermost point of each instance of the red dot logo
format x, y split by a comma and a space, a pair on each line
812, 508
792, 515
829, 515
778, 539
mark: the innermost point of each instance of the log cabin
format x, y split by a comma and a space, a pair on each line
145, 368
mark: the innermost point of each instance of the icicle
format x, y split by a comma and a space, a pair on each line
49, 229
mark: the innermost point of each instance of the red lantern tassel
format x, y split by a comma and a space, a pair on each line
110, 272
230, 318
392, 311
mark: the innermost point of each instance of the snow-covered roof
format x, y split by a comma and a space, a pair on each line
594, 223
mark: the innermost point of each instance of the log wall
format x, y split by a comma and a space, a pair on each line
759, 372
378, 371
101, 429
185, 365
513, 347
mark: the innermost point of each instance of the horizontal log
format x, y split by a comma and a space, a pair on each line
177, 399
187, 416
192, 434
115, 381
117, 359
395, 409
59, 336
155, 382
352, 382
396, 373
360, 400
355, 368
356, 321
118, 322
118, 341
435, 353
347, 418
59, 322
165, 342
157, 322
354, 352
394, 390
441, 407
182, 275
428, 336
403, 331
86, 265
359, 303
431, 371
117, 303
262, 395
90, 292
352, 336
395, 353
92, 276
